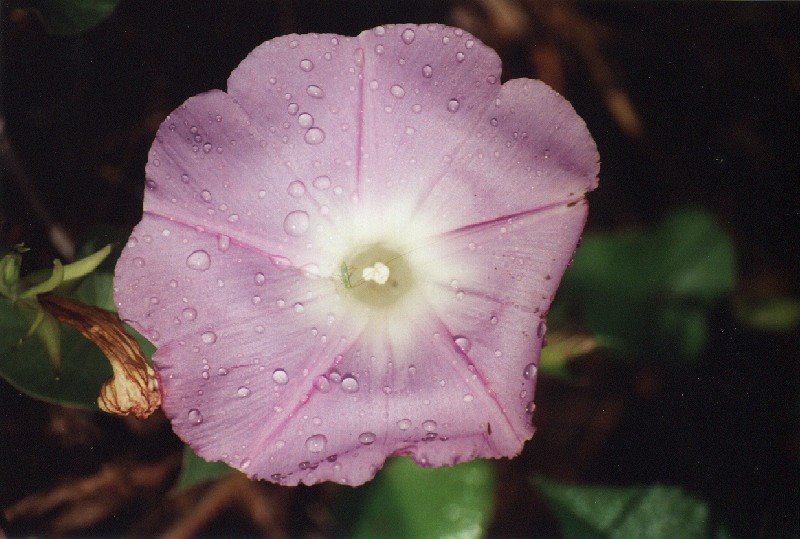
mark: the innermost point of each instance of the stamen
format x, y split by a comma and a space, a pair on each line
379, 273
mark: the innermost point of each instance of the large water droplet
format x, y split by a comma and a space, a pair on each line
315, 91
349, 384
408, 36
280, 377
189, 313
429, 425
530, 371
315, 135
453, 105
296, 189
427, 71
306, 65
316, 443
243, 392
194, 416
366, 438
397, 91
209, 337
199, 260
404, 424
305, 120
296, 223
463, 343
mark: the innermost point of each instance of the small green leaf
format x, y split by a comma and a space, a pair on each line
71, 16
598, 511
196, 470
25, 361
406, 500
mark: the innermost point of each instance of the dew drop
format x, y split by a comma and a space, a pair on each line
315, 135
207, 147
296, 189
306, 65
298, 308
397, 91
280, 377
429, 425
530, 408
316, 443
460, 56
468, 398
349, 384
463, 343
222, 371
195, 417
322, 182
209, 337
541, 329
305, 120
408, 36
427, 71
296, 223
315, 91
453, 105
530, 371
243, 392
494, 122
379, 31
404, 424
322, 384
198, 260
205, 195
366, 438
189, 313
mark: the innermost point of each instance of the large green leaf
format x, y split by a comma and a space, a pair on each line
653, 512
648, 295
71, 16
406, 500
196, 470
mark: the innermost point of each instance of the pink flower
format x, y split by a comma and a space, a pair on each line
350, 254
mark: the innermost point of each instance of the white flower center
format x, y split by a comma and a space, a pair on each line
379, 273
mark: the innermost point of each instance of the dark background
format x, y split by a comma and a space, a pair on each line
714, 89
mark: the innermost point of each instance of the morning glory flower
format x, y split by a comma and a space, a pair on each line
350, 253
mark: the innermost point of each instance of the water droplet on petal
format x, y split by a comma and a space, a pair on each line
195, 417
453, 105
205, 195
427, 71
296, 223
280, 377
189, 313
397, 91
259, 278
408, 36
322, 384
305, 120
463, 343
315, 91
306, 65
315, 135
322, 182
199, 260
292, 108
209, 337
530, 371
298, 308
296, 189
379, 31
243, 392
460, 56
530, 408
349, 384
316, 443
404, 424
429, 425
366, 438
541, 329
468, 398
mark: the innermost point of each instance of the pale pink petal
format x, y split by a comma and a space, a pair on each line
303, 93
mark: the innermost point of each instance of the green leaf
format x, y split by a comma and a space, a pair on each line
68, 17
598, 511
406, 500
196, 470
648, 295
97, 289
25, 362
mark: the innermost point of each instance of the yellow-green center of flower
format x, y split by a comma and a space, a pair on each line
377, 275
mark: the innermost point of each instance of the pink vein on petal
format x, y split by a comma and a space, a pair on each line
481, 377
